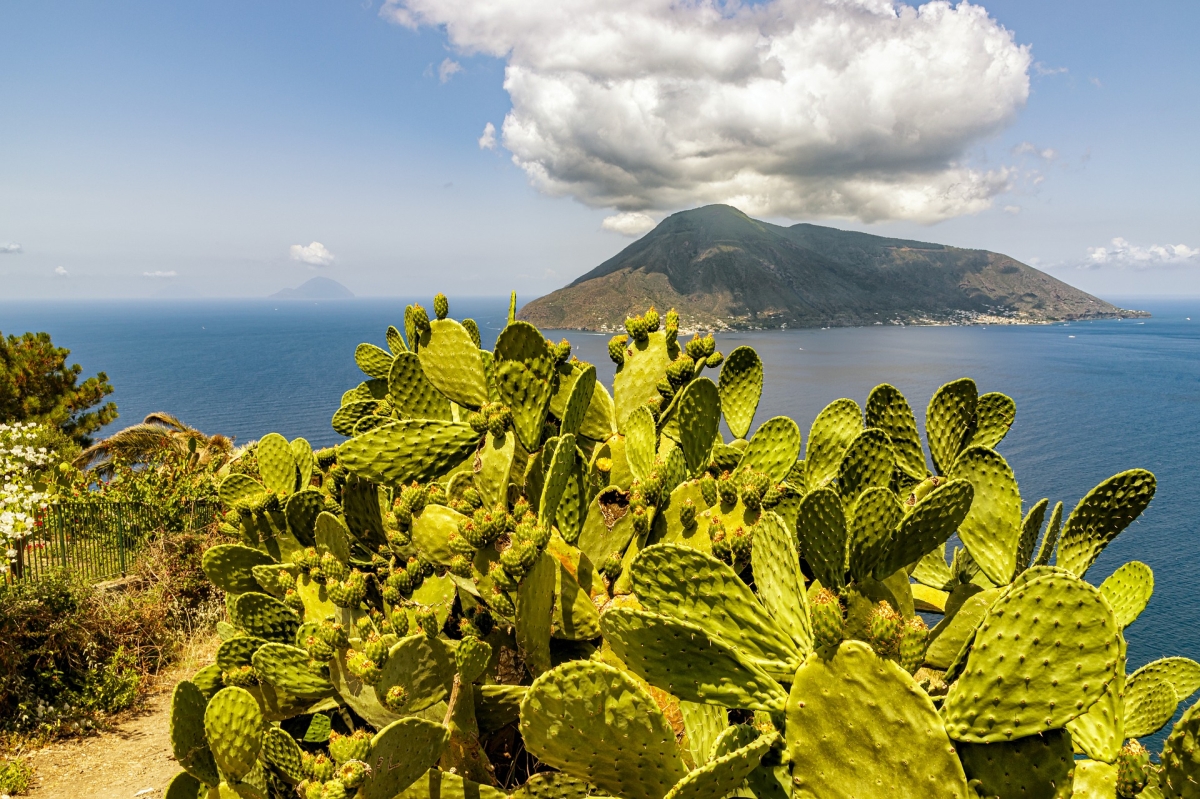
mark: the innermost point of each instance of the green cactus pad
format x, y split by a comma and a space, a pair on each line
1182, 673
1100, 732
1035, 767
437, 784
702, 725
498, 705
413, 396
597, 724
780, 583
858, 726
684, 659
423, 667
552, 785
575, 617
1044, 653
1128, 591
208, 680
722, 775
282, 753
395, 341
875, 516
415, 449
361, 698
374, 361
640, 442
229, 567
188, 742
183, 786
868, 463
450, 359
930, 523
636, 382
264, 616
774, 448
1029, 534
347, 417
558, 475
524, 367
888, 410
992, 529
821, 533
290, 669
238, 651
276, 464
699, 414
1095, 780
683, 583
233, 725
301, 510
1046, 549
994, 415
608, 527
495, 459
948, 421
241, 492
1101, 516
366, 390
932, 570
832, 432
401, 753
431, 533
1150, 701
535, 613
600, 421
332, 536
1181, 758
580, 399
740, 386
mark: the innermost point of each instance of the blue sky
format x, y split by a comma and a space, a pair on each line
168, 149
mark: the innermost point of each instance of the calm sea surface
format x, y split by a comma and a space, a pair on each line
1092, 398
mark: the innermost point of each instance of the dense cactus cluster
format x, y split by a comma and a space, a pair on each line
510, 580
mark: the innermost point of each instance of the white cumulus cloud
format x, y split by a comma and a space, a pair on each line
630, 223
314, 254
161, 273
797, 108
448, 69
1121, 253
488, 140
9, 248
61, 271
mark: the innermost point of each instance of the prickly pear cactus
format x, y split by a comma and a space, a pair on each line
508, 567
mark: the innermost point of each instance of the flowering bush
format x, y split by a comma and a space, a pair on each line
30, 455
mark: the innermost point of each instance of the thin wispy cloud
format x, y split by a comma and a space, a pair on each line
61, 271
10, 248
448, 69
488, 140
863, 109
313, 254
1120, 253
159, 273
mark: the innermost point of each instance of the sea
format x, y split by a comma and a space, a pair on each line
1093, 398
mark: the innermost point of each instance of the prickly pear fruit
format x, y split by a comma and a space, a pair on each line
354, 773
708, 490
829, 627
420, 319
611, 568
354, 746
754, 485
427, 620
441, 305
322, 768
714, 360
727, 489
616, 349
652, 320
363, 668
1132, 766
914, 638
885, 630
687, 514
334, 789
396, 699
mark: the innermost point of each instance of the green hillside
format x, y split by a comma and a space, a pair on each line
720, 268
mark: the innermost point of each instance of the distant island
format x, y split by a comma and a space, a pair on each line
721, 269
317, 288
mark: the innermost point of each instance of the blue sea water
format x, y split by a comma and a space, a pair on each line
1093, 398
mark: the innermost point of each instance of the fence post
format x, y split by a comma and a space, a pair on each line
62, 536
120, 519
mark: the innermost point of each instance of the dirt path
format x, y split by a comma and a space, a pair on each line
132, 760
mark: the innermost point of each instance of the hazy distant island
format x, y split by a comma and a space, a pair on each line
317, 288
721, 269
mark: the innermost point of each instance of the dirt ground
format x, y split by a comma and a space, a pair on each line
131, 760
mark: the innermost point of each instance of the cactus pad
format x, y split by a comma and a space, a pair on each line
374, 361
858, 726
1035, 767
722, 775
930, 523
413, 396
1128, 591
683, 583
230, 567
699, 419
1029, 534
832, 432
400, 753
1150, 701
780, 583
437, 784
188, 741
233, 725
703, 724
552, 785
423, 667
579, 400
888, 410
597, 724
450, 359
684, 659
992, 530
640, 442
948, 421
241, 491
1044, 653
821, 532
282, 752
994, 415
740, 387
524, 367
264, 616
401, 452
276, 464
1182, 673
1181, 758
1101, 516
774, 448
290, 669
868, 463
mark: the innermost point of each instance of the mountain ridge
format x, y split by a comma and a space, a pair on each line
316, 288
719, 268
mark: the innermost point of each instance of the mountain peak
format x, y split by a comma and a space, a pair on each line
721, 268
317, 288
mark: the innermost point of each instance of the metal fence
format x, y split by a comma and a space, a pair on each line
98, 539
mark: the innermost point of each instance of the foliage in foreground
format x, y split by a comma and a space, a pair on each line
510, 580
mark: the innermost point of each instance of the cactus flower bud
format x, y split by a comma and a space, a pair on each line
441, 305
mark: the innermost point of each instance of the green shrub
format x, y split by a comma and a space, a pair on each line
15, 777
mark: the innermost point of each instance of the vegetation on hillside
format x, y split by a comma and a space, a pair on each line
36, 385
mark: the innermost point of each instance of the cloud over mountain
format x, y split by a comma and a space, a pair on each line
1121, 253
314, 254
859, 108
